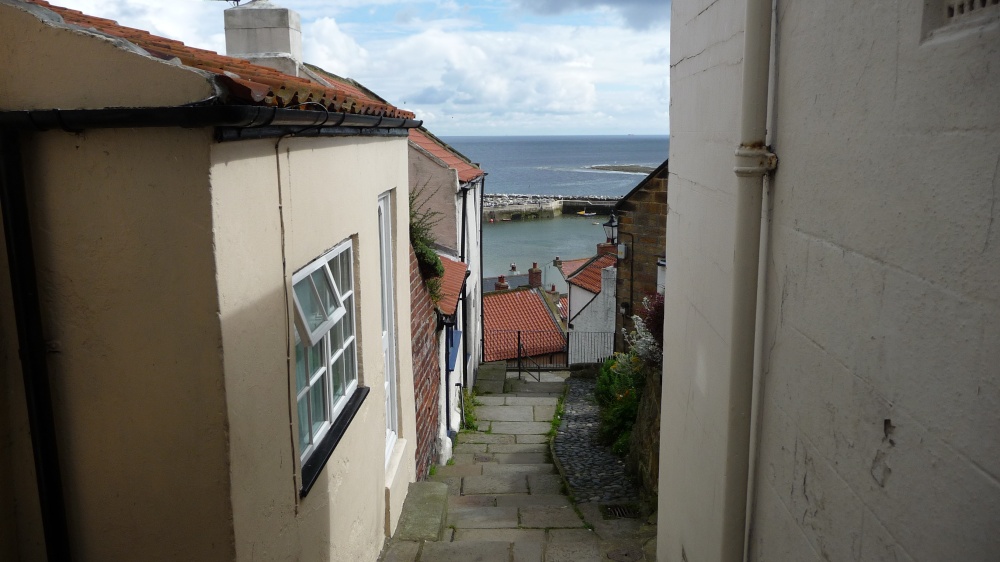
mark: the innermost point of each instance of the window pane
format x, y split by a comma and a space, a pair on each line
303, 425
317, 405
326, 294
314, 314
348, 319
338, 377
334, 264
301, 369
344, 279
337, 336
350, 368
315, 358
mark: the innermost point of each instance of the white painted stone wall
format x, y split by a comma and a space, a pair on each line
881, 339
597, 317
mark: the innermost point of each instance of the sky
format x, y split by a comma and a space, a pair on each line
483, 67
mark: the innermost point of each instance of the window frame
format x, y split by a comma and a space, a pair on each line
339, 326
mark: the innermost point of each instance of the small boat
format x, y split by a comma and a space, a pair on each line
505, 220
585, 214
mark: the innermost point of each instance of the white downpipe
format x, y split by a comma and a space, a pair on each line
753, 162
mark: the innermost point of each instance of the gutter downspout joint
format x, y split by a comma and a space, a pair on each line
754, 161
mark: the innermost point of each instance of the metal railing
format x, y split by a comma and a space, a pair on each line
547, 350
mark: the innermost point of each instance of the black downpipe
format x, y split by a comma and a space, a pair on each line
482, 314
31, 343
465, 311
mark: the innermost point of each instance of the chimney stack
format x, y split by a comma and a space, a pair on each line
606, 248
265, 34
501, 284
534, 276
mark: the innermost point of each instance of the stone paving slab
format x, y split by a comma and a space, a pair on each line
466, 551
483, 517
519, 448
520, 469
580, 536
457, 470
484, 387
516, 500
545, 484
569, 552
454, 483
548, 517
520, 427
473, 501
532, 387
521, 458
401, 551
474, 437
544, 413
495, 484
470, 448
532, 439
423, 511
492, 400
531, 401
508, 535
527, 551
505, 413
460, 459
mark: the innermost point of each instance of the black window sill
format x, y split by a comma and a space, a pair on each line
312, 467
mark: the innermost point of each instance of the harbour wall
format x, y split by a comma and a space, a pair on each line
531, 207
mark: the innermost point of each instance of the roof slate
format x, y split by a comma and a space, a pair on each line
588, 277
505, 313
451, 284
440, 150
244, 83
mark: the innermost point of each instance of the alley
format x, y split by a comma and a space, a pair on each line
504, 499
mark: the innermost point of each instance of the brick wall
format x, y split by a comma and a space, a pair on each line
643, 215
426, 370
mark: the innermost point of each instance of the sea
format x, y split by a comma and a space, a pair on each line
553, 165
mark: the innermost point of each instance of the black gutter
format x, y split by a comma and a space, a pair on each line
32, 349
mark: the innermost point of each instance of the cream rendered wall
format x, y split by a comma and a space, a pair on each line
123, 246
882, 376
881, 323
53, 66
329, 191
706, 52
122, 238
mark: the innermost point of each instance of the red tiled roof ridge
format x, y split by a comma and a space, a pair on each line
588, 277
242, 80
446, 154
451, 284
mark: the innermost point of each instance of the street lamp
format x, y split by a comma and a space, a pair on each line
611, 228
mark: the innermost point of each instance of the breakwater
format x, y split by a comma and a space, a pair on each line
517, 207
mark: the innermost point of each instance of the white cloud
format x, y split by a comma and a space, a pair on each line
458, 68
325, 45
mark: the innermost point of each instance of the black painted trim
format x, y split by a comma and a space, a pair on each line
312, 467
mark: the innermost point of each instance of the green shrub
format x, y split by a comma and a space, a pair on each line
617, 392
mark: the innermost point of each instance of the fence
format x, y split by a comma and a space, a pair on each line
548, 349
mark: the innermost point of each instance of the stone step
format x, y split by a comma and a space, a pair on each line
424, 512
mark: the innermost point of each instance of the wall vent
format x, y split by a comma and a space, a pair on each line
958, 14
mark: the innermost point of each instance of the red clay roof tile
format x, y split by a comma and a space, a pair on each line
466, 170
451, 284
505, 313
589, 276
245, 83
569, 267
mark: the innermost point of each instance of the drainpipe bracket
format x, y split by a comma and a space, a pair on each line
754, 161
